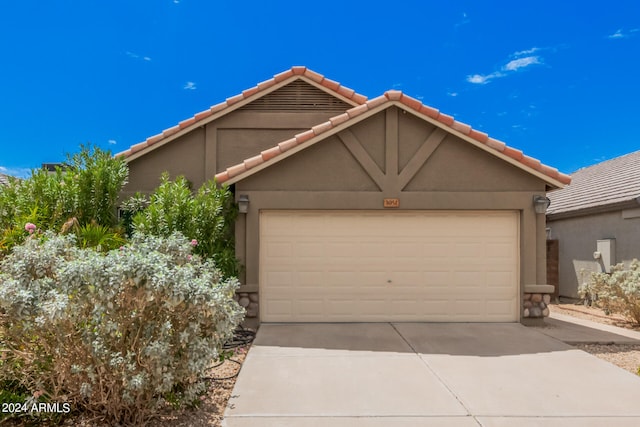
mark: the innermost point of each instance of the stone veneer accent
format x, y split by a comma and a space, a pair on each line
248, 300
536, 305
536, 301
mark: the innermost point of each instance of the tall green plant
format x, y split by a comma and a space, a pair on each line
86, 188
207, 217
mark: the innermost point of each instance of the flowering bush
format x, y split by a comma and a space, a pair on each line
618, 292
117, 334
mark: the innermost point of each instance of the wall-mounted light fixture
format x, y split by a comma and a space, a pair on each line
243, 203
541, 203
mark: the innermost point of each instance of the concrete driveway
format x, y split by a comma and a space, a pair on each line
434, 374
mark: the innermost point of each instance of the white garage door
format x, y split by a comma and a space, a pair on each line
371, 266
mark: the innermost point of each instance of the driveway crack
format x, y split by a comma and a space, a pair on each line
442, 381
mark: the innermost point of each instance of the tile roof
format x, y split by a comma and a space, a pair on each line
254, 92
608, 183
394, 97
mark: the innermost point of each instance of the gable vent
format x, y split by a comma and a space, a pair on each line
297, 96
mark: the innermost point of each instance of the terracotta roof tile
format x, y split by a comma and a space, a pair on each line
222, 177
266, 84
253, 161
152, 140
203, 115
513, 153
373, 103
316, 77
294, 71
393, 95
298, 70
186, 123
251, 91
461, 127
138, 147
411, 104
170, 131
236, 169
429, 111
495, 144
288, 144
346, 92
330, 84
339, 119
270, 153
234, 99
478, 136
356, 111
531, 162
305, 136
322, 127
446, 119
284, 75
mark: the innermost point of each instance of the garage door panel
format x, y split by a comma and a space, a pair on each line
388, 266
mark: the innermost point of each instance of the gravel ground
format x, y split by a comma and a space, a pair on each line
625, 356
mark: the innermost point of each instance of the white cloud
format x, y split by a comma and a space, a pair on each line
481, 79
17, 172
454, 94
465, 20
516, 64
621, 34
526, 52
112, 141
190, 86
519, 62
617, 35
136, 56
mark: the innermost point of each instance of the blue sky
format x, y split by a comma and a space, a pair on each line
559, 80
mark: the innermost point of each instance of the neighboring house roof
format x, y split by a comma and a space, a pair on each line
231, 104
608, 185
4, 179
480, 139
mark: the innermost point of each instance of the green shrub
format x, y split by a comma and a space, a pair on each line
87, 189
617, 292
116, 334
206, 217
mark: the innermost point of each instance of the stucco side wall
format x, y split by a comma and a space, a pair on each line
211, 148
577, 241
184, 156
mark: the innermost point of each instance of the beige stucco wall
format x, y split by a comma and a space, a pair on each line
456, 176
213, 147
578, 238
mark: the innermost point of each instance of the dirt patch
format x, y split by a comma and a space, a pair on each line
625, 356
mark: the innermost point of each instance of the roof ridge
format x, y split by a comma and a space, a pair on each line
260, 87
411, 103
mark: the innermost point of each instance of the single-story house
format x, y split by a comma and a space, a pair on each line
365, 210
596, 220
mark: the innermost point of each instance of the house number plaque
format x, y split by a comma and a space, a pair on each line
391, 203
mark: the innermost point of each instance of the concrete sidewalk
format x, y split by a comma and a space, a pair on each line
573, 330
415, 374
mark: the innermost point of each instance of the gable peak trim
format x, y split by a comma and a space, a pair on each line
395, 97
205, 116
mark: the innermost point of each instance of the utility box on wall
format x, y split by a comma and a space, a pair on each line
605, 254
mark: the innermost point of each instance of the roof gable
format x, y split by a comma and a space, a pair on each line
344, 97
551, 176
608, 184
